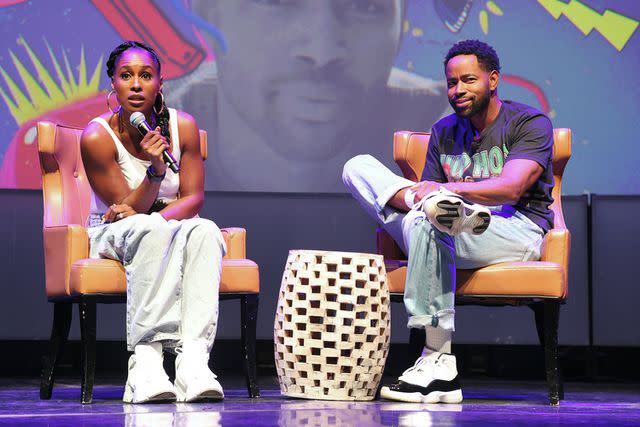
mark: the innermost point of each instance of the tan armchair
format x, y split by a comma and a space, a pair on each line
71, 277
541, 285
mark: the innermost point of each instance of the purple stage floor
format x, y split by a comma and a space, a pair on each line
486, 403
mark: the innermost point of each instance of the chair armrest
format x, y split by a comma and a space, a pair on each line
63, 245
236, 240
556, 247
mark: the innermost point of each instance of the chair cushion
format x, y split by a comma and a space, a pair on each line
239, 275
106, 276
97, 276
507, 279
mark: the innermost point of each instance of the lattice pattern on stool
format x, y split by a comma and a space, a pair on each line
332, 325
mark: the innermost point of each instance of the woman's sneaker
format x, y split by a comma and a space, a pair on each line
194, 380
432, 379
147, 381
449, 213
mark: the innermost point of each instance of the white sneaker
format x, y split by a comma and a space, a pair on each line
432, 379
147, 381
194, 379
449, 213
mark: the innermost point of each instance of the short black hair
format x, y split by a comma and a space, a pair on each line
115, 54
487, 56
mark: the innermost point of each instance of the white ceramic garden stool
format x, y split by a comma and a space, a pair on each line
332, 325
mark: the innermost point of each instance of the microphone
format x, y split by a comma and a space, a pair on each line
138, 121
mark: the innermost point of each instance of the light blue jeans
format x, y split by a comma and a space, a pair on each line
433, 256
173, 273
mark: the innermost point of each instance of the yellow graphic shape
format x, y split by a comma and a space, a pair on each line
617, 29
483, 17
484, 21
494, 8
44, 94
415, 31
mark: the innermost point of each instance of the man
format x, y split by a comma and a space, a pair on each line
303, 86
487, 181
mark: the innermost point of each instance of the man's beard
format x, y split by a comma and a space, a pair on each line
479, 104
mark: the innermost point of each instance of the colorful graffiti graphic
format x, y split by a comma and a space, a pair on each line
566, 57
72, 100
616, 28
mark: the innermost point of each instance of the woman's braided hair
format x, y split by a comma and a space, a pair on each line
162, 119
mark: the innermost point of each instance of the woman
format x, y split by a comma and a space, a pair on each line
145, 216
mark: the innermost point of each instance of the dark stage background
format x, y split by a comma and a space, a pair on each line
278, 222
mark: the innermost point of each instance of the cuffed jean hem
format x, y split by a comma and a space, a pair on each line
386, 195
168, 340
444, 319
171, 341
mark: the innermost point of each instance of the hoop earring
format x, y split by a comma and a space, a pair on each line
117, 110
161, 105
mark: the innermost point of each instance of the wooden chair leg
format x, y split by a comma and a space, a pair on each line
87, 311
62, 314
547, 315
249, 320
541, 337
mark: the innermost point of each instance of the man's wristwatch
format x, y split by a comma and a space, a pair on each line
153, 176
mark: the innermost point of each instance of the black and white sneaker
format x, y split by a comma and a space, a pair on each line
451, 214
432, 379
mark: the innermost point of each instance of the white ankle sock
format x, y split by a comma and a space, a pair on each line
148, 349
438, 340
194, 346
409, 196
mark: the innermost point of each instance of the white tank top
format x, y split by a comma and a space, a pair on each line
134, 169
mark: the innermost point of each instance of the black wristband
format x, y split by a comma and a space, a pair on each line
153, 176
157, 206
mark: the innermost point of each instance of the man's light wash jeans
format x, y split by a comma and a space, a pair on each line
173, 275
433, 256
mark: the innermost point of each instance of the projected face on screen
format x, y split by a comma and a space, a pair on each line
302, 86
297, 70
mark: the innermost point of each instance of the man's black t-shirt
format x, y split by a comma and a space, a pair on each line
519, 132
